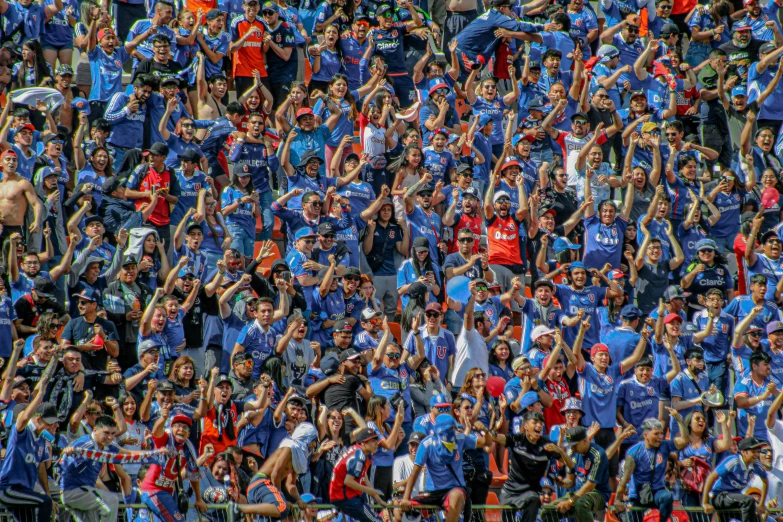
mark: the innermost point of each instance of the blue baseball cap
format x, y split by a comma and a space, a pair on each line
81, 105
89, 294
444, 421
186, 271
536, 104
741, 25
546, 483
303, 233
483, 120
739, 91
436, 84
528, 399
706, 243
630, 312
562, 244
440, 401
309, 497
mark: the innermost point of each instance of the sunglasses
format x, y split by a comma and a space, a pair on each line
432, 315
706, 250
632, 29
375, 321
579, 122
249, 363
481, 288
394, 355
352, 278
187, 125
504, 201
308, 241
57, 142
315, 203
328, 236
479, 376
602, 96
444, 92
467, 174
489, 86
466, 240
443, 409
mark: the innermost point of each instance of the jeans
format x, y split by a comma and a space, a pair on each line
718, 374
662, 500
453, 322
538, 157
267, 218
241, 240
119, 155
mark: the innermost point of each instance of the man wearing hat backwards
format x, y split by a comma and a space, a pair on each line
723, 487
157, 490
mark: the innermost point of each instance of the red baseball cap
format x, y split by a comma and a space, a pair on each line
671, 317
598, 348
182, 418
28, 126
103, 33
304, 111
8, 152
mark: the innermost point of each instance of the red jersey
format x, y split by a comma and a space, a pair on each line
352, 462
210, 434
559, 392
465, 221
503, 240
153, 181
250, 56
163, 478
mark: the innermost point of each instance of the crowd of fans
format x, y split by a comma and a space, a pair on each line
270, 255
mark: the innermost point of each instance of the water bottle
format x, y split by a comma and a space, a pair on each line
136, 306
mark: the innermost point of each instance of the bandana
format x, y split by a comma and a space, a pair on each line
446, 434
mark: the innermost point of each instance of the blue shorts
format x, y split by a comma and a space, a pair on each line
163, 506
52, 47
262, 491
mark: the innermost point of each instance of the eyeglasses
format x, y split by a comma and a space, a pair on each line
654, 248
489, 86
671, 134
444, 92
632, 29
467, 174
352, 278
706, 251
504, 201
466, 240
248, 363
328, 236
654, 133
664, 7
602, 96
432, 315
387, 14
94, 412
308, 241
267, 13
393, 355
374, 321
425, 194
56, 325
56, 142
579, 122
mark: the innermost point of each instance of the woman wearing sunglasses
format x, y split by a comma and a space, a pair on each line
485, 100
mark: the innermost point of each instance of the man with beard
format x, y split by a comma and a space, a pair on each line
468, 216
259, 338
22, 280
241, 376
368, 339
767, 263
127, 115
506, 233
157, 490
530, 454
747, 339
754, 394
339, 390
465, 262
158, 24
689, 387
124, 301
625, 38
92, 335
758, 19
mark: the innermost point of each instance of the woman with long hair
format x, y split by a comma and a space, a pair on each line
220, 483
407, 170
500, 360
239, 203
325, 61
417, 302
482, 409
32, 70
97, 169
389, 437
730, 194
298, 98
183, 378
706, 270
771, 213
643, 191
709, 27
332, 438
419, 267
217, 238
696, 226
153, 267
257, 99
345, 98
186, 25
134, 438
702, 445
609, 316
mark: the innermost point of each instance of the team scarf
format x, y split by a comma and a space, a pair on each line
108, 457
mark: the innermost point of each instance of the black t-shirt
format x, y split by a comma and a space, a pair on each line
342, 396
193, 320
79, 331
159, 70
606, 117
650, 286
528, 463
29, 312
741, 58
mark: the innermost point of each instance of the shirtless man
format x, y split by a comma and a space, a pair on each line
286, 463
210, 93
16, 195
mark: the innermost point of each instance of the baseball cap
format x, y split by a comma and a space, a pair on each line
304, 111
650, 126
510, 162
501, 194
528, 399
307, 498
483, 120
440, 401
767, 48
20, 380
616, 274
325, 228
342, 326
706, 244
774, 326
598, 348
148, 345
433, 307
740, 90
129, 259
212, 14
571, 404
519, 361
634, 94
540, 331
671, 317
674, 292
303, 233
543, 282
562, 244
166, 386
536, 104
330, 364
365, 434
607, 52
103, 33
543, 211
159, 149
93, 219
48, 412
425, 188
44, 287
575, 435
186, 271
369, 313
470, 192
271, 6
630, 312
184, 419
89, 294
749, 443
189, 155
64, 70
420, 244
580, 115
741, 25
437, 84
110, 184
81, 105
669, 29
417, 437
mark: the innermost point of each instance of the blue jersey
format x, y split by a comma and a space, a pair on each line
178, 146
439, 164
729, 205
330, 65
259, 343
599, 394
426, 224
26, 164
388, 44
593, 467
600, 72
741, 306
352, 52
588, 299
243, 215
662, 362
57, 30
145, 47
685, 389
495, 109
330, 307
657, 229
771, 268
747, 387
622, 342
282, 71
552, 319
359, 193
582, 23
603, 243
424, 424
24, 285
24, 453
437, 348
189, 188
388, 383
716, 347
629, 52
639, 401
76, 471
478, 37
776, 366
217, 44
253, 158
318, 184
444, 473
7, 318
650, 465
174, 330
734, 475
407, 275
127, 127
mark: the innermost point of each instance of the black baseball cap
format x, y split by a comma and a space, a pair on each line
43, 287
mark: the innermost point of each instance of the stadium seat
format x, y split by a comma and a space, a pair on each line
492, 515
396, 331
518, 333
498, 478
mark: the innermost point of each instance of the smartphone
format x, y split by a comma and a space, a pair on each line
286, 276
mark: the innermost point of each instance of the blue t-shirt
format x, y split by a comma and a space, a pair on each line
24, 453
650, 466
716, 347
243, 215
344, 125
444, 473
437, 349
749, 388
588, 299
258, 343
639, 401
734, 476
599, 394
76, 471
603, 243
593, 467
